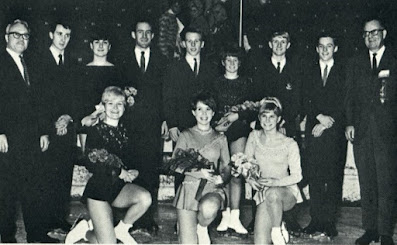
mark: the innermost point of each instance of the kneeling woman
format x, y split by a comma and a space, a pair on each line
110, 184
278, 158
196, 209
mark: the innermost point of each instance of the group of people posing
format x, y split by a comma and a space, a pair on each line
127, 109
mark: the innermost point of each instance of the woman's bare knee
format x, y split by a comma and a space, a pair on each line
145, 199
209, 207
272, 196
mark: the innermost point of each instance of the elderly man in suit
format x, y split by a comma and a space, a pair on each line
371, 113
143, 70
23, 138
323, 90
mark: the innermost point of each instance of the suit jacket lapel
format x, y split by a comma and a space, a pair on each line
16, 69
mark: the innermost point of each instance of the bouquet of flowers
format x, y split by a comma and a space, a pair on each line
241, 165
186, 160
130, 92
103, 157
247, 105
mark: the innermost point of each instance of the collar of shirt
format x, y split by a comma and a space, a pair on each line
55, 53
138, 52
379, 55
282, 63
190, 61
17, 60
329, 63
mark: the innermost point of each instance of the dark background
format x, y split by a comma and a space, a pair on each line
304, 19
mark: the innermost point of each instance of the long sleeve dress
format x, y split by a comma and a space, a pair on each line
231, 93
105, 185
211, 145
281, 162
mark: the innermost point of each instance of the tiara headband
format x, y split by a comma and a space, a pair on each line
271, 100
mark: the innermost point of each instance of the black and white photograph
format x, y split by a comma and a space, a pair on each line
198, 122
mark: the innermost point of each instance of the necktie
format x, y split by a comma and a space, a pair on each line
195, 67
60, 60
143, 62
278, 67
325, 75
374, 64
25, 70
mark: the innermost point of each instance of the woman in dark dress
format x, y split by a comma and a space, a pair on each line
233, 90
110, 186
96, 76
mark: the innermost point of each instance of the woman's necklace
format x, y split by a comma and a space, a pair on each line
203, 131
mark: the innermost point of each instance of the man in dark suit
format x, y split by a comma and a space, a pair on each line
371, 114
323, 90
183, 79
280, 77
59, 89
143, 70
23, 138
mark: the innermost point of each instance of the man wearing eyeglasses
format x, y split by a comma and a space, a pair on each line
371, 114
23, 138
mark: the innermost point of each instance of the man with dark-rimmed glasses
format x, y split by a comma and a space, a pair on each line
23, 138
371, 114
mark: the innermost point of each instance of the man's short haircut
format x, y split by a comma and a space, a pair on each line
17, 21
191, 30
206, 98
283, 34
142, 20
327, 34
63, 22
374, 18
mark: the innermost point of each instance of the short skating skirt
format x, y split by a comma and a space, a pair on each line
260, 197
185, 196
101, 190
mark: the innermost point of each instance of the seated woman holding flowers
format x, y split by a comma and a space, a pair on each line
279, 161
107, 147
200, 196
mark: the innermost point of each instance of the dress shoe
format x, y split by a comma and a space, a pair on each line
386, 240
330, 230
8, 239
293, 227
367, 238
41, 239
251, 227
152, 228
312, 228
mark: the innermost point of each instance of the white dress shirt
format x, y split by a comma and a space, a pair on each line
138, 53
282, 63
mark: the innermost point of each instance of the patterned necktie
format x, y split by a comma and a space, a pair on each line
325, 75
143, 62
278, 67
25, 70
60, 60
195, 67
374, 64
